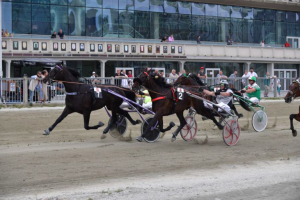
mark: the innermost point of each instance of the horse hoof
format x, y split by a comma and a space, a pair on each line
100, 124
294, 133
105, 131
46, 132
204, 118
173, 139
172, 124
140, 139
103, 136
138, 121
240, 115
220, 127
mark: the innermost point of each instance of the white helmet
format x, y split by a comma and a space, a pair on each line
224, 82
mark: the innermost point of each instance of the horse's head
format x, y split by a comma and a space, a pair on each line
55, 74
140, 80
294, 91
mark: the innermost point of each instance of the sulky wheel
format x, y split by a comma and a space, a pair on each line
119, 128
153, 134
259, 121
188, 132
231, 132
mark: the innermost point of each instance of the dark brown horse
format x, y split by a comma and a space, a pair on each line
165, 102
80, 98
293, 93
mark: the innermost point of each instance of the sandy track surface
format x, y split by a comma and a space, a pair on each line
73, 163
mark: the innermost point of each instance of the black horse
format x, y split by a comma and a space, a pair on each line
80, 98
165, 102
194, 80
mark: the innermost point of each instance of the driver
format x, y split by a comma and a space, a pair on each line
223, 96
253, 90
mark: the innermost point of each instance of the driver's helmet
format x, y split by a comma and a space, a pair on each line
225, 83
252, 78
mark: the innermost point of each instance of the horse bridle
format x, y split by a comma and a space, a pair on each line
60, 70
293, 94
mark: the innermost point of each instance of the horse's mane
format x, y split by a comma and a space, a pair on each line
160, 81
74, 73
197, 79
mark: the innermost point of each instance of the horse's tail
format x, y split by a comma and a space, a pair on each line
242, 103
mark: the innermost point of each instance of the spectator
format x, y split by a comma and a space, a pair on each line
61, 34
36, 84
287, 44
220, 76
230, 41
232, 79
2, 33
162, 74
125, 79
199, 40
201, 74
130, 80
7, 34
164, 39
251, 73
53, 36
183, 73
171, 38
244, 78
93, 75
262, 43
173, 76
118, 75
267, 84
156, 71
278, 86
45, 86
129, 74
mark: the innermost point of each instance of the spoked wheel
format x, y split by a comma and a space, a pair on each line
259, 121
154, 133
188, 132
231, 132
119, 128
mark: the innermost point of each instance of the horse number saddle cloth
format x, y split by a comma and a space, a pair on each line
97, 92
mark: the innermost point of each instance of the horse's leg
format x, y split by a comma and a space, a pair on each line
161, 124
63, 115
182, 124
126, 114
296, 117
86, 118
212, 117
235, 111
156, 118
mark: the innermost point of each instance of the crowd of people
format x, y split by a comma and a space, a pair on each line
6, 33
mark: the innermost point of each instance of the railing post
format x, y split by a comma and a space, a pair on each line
275, 86
112, 80
25, 90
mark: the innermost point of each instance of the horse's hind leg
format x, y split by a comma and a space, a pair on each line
182, 124
296, 117
161, 124
86, 118
63, 115
235, 111
219, 125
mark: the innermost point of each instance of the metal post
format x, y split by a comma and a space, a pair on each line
1, 71
112, 81
275, 87
25, 90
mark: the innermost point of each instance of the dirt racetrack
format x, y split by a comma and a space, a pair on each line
72, 163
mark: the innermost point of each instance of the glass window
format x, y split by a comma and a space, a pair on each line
157, 25
111, 4
110, 23
6, 16
297, 30
184, 27
171, 6
59, 19
248, 34
126, 4
258, 31
40, 1
157, 5
270, 15
237, 12
248, 13
59, 2
258, 14
94, 3
142, 24
93, 22
224, 11
270, 32
21, 19
198, 9
76, 21
290, 29
126, 24
291, 16
211, 10
280, 32
142, 5
280, 16
211, 28
297, 17
22, 1
236, 29
224, 26
76, 2
40, 19
171, 24
184, 8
